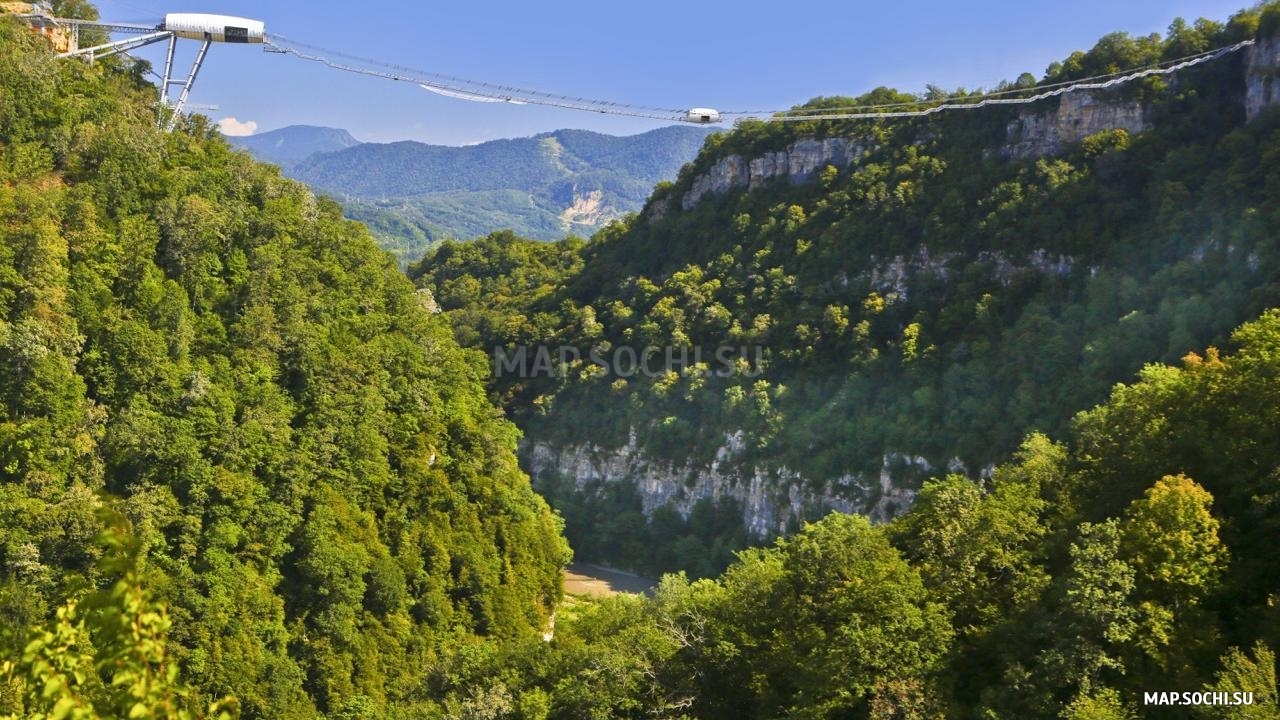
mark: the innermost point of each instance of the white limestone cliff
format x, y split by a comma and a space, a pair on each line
798, 163
772, 499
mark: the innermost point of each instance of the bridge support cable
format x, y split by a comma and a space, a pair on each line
462, 89
220, 28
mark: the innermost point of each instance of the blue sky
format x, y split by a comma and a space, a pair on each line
664, 53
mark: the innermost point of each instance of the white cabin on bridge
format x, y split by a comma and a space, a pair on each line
218, 28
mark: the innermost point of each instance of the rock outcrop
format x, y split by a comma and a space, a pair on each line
1036, 133
587, 210
772, 499
798, 163
1262, 89
894, 275
1078, 115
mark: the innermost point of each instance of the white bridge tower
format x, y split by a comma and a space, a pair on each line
207, 29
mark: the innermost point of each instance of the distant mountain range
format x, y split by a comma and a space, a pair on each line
547, 186
289, 146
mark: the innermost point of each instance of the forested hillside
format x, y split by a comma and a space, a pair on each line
1135, 557
920, 309
408, 169
247, 470
311, 478
413, 195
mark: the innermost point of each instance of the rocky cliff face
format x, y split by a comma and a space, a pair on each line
587, 210
894, 276
798, 163
1036, 133
1078, 115
1262, 89
772, 499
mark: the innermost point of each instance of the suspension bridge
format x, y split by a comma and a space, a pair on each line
208, 29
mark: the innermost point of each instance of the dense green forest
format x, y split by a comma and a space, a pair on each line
246, 470
1135, 557
934, 299
318, 490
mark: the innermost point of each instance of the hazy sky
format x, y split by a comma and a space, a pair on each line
741, 55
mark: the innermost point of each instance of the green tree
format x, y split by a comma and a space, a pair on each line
1098, 618
1171, 540
1253, 673
107, 654
821, 622
1105, 704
